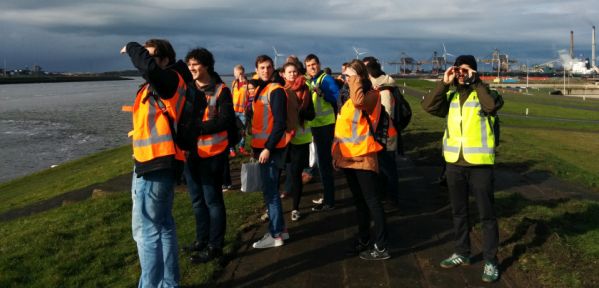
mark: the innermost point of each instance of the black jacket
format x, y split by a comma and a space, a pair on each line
225, 114
164, 82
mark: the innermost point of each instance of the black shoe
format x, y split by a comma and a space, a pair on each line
206, 255
375, 254
196, 246
357, 247
322, 207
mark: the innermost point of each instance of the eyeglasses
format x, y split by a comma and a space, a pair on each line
458, 70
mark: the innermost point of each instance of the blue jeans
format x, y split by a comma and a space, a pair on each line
204, 182
153, 228
323, 139
241, 117
270, 172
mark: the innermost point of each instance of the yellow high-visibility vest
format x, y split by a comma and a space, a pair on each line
469, 131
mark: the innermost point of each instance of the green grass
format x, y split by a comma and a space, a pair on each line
554, 242
89, 244
69, 176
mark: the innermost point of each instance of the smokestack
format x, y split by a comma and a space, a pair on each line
571, 44
593, 59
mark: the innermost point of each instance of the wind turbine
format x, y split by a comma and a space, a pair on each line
277, 55
358, 52
445, 54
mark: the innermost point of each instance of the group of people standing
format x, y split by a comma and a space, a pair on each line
284, 111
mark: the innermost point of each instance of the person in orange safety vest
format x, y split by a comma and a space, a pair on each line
355, 152
269, 140
157, 159
204, 169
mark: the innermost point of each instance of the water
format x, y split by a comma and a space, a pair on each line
49, 123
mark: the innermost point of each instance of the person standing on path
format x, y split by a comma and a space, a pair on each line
324, 96
269, 142
387, 162
355, 152
296, 86
469, 151
240, 100
206, 166
158, 160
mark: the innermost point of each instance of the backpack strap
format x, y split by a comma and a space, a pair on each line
162, 106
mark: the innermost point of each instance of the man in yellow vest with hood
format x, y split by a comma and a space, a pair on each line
469, 150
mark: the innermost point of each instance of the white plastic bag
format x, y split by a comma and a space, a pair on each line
250, 177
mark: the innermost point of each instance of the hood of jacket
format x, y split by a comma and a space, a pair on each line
182, 69
383, 80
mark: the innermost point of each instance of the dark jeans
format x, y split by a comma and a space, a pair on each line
204, 182
362, 184
479, 181
323, 140
298, 160
388, 176
227, 171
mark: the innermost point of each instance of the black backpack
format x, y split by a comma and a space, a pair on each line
381, 132
185, 134
401, 110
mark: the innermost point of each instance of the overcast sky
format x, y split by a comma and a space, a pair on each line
85, 35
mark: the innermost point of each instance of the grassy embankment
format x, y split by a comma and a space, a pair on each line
89, 244
553, 242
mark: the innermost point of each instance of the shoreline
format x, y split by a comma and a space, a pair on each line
58, 79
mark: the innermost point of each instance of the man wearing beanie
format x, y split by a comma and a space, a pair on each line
469, 150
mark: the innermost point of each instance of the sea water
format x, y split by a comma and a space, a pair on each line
46, 124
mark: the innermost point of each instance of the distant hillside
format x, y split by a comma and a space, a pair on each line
60, 78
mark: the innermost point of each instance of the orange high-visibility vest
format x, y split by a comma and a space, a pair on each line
151, 133
263, 121
212, 144
239, 96
352, 132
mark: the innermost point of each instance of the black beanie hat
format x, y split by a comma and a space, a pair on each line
466, 59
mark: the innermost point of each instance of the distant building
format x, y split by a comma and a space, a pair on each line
36, 70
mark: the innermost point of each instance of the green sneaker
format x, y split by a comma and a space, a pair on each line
455, 260
490, 272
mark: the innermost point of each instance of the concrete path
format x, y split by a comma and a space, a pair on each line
419, 233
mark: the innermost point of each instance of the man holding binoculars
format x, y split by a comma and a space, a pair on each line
469, 144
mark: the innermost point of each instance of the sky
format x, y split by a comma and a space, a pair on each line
86, 35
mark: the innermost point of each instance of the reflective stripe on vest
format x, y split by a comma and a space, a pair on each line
212, 144
352, 131
263, 121
468, 131
151, 135
239, 97
302, 135
323, 110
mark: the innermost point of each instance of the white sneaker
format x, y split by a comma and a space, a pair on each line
317, 200
295, 215
268, 242
284, 235
264, 217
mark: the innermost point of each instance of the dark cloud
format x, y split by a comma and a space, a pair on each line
86, 35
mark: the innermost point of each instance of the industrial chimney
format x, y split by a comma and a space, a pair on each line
571, 44
593, 59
